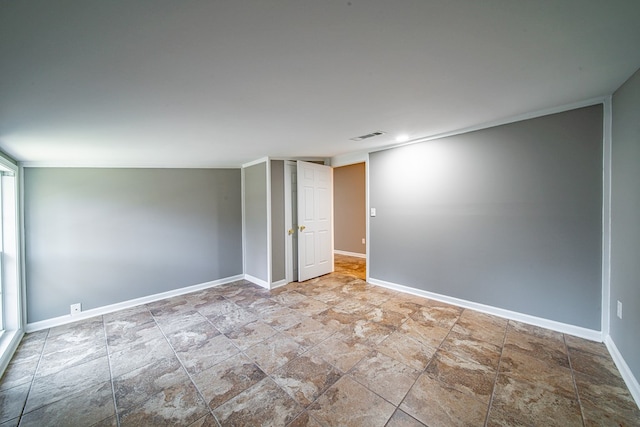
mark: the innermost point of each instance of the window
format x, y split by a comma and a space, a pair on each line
11, 307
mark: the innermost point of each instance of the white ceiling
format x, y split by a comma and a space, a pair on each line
220, 83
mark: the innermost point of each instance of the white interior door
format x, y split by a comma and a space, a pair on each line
315, 220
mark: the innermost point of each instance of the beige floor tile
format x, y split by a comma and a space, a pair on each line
575, 343
482, 327
401, 419
54, 387
385, 376
177, 322
139, 355
537, 342
438, 314
426, 332
304, 420
275, 352
343, 355
69, 356
519, 402
308, 333
192, 337
84, 407
386, 317
346, 350
601, 369
609, 399
12, 401
478, 351
306, 378
251, 334
209, 353
406, 349
119, 338
526, 367
227, 379
206, 421
181, 405
136, 386
281, 318
348, 403
264, 404
309, 307
365, 332
233, 319
435, 404
401, 305
467, 376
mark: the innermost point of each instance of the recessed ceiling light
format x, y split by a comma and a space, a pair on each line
402, 138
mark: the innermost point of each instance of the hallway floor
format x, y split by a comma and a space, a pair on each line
332, 351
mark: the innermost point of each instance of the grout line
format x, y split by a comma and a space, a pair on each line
186, 371
35, 371
113, 387
573, 379
423, 372
495, 381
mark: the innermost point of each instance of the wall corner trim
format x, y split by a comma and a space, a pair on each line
625, 371
278, 283
564, 328
63, 320
257, 281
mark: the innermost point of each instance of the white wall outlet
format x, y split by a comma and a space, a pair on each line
76, 308
619, 309
364, 241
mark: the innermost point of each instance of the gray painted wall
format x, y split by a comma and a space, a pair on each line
277, 221
255, 213
349, 207
625, 222
103, 236
508, 216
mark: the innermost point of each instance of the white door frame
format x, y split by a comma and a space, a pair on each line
290, 223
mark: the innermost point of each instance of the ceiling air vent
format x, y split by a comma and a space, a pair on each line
367, 136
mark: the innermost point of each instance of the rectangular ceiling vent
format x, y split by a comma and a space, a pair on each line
367, 136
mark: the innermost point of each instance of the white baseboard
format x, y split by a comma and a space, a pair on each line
9, 341
625, 371
279, 283
354, 254
565, 328
63, 320
257, 281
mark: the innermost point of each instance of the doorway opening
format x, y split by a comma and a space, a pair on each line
350, 219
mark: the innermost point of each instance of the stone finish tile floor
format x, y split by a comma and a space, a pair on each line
332, 351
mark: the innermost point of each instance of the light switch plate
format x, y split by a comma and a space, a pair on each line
373, 211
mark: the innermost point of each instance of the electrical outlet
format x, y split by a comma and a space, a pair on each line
76, 308
619, 309
363, 241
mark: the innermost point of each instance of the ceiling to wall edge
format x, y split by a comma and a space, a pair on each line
352, 157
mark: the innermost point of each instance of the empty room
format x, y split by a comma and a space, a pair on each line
338, 213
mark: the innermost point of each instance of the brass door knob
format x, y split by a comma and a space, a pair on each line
290, 231
302, 227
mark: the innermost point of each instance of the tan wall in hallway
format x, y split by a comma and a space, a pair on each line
349, 206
